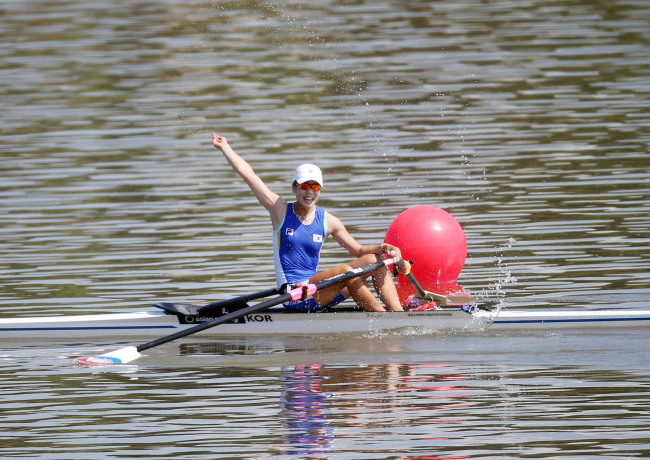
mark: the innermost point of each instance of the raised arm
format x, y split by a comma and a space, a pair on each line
274, 204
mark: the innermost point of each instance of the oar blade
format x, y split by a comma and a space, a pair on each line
121, 356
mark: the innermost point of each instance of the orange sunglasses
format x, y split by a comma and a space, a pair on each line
306, 186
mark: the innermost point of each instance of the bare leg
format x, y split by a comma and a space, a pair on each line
358, 290
385, 287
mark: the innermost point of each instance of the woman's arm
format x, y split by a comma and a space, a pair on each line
271, 201
347, 241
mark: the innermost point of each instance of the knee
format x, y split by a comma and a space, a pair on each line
344, 268
368, 259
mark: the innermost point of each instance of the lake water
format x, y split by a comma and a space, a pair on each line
528, 121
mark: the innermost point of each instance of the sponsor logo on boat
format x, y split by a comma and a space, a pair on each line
431, 313
259, 318
190, 319
254, 318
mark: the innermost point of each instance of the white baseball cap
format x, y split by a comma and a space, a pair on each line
307, 172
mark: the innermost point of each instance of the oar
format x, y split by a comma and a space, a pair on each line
128, 354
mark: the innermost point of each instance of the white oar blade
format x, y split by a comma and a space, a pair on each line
121, 356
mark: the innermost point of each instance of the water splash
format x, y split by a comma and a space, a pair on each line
498, 288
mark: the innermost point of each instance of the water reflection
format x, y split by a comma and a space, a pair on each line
500, 395
305, 410
438, 407
519, 393
323, 405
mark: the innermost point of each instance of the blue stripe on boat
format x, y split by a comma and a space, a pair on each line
584, 320
82, 328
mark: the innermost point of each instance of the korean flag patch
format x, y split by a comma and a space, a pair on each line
318, 238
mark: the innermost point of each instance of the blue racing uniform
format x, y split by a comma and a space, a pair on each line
296, 252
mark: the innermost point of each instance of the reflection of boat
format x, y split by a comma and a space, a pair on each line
154, 323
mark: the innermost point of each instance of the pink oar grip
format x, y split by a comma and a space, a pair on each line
297, 293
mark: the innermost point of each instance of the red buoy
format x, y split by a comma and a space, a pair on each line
434, 240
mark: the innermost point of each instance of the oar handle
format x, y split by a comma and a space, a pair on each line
313, 288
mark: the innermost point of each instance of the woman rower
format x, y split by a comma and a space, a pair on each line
299, 230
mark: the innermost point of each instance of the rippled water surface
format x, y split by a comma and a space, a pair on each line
528, 121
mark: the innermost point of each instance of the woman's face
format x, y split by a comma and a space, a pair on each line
307, 198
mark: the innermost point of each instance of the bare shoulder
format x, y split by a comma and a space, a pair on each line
277, 211
336, 228
334, 224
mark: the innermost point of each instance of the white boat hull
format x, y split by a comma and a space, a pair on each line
145, 325
559, 319
151, 324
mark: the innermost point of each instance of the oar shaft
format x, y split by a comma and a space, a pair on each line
291, 295
209, 308
215, 322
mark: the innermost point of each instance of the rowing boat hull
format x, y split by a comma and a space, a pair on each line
559, 319
146, 324
157, 323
